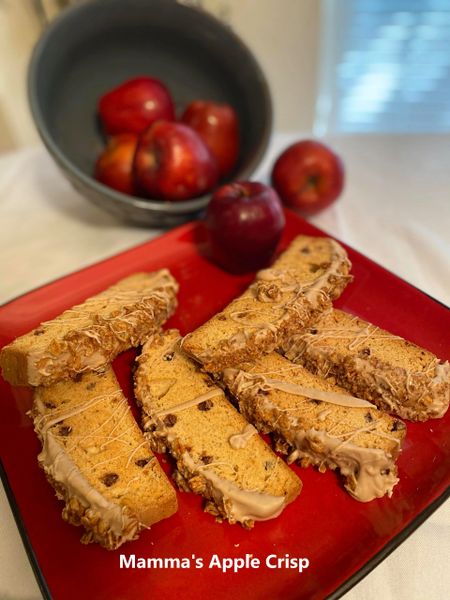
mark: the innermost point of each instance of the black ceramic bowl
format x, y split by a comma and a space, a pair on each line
97, 45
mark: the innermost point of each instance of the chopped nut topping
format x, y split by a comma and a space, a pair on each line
205, 405
170, 420
305, 250
207, 459
168, 357
385, 471
91, 386
109, 479
269, 464
314, 401
38, 331
221, 317
313, 267
77, 377
368, 417
49, 405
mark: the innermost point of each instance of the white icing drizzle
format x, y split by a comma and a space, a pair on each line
240, 440
240, 505
268, 287
51, 419
89, 344
330, 397
317, 394
187, 404
416, 395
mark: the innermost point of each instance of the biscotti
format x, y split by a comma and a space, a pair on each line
218, 454
90, 335
394, 374
318, 423
282, 301
98, 460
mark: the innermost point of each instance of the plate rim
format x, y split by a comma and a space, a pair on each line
195, 223
346, 585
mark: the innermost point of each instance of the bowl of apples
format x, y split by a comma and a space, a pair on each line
148, 106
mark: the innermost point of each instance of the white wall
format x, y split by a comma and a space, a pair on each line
282, 33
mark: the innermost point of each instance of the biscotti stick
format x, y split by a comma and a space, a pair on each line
89, 336
282, 301
98, 460
318, 423
394, 374
218, 454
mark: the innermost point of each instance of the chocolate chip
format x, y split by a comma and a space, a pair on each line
65, 430
314, 268
38, 331
385, 471
141, 462
110, 479
205, 405
397, 426
49, 405
305, 250
313, 331
78, 376
170, 420
208, 381
364, 352
91, 386
168, 357
368, 417
206, 459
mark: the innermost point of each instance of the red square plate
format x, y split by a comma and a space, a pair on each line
342, 538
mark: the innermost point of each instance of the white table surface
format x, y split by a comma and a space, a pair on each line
395, 209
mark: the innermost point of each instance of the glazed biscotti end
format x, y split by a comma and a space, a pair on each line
89, 336
218, 454
283, 300
316, 422
98, 461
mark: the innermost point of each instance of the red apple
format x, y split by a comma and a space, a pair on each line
308, 176
244, 222
134, 105
114, 166
218, 126
173, 163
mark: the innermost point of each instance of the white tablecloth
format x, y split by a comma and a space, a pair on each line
395, 209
